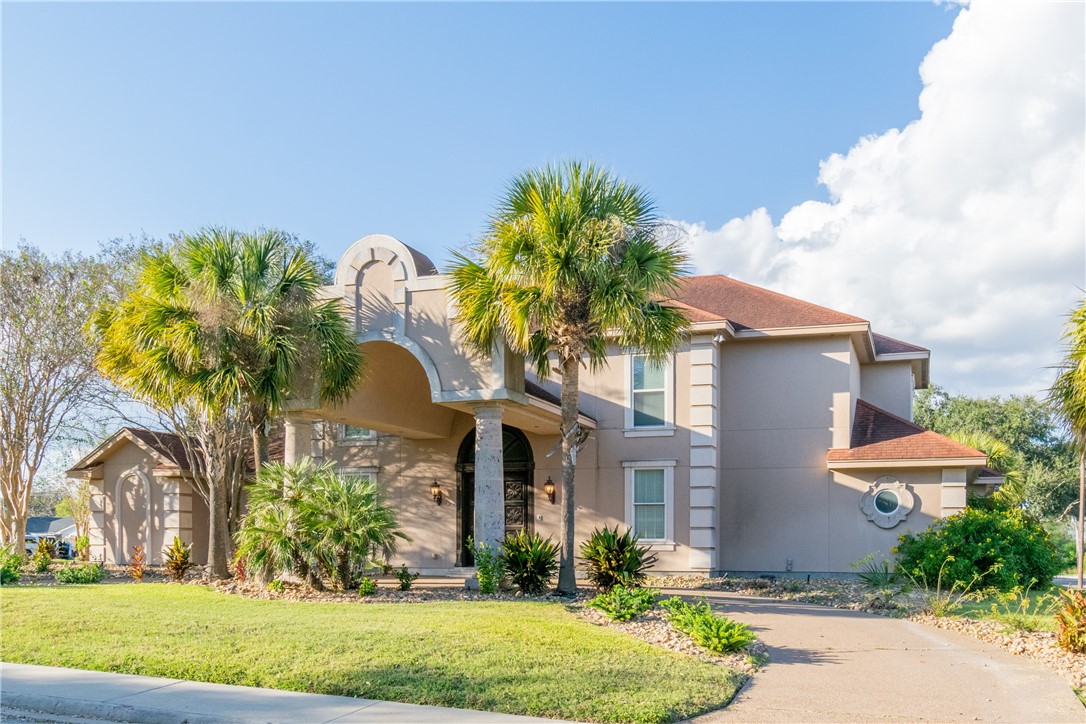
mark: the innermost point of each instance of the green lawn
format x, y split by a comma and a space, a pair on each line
517, 657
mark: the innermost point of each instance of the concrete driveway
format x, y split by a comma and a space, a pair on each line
833, 665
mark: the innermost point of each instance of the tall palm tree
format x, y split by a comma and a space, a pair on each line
1068, 396
572, 260
1001, 457
227, 325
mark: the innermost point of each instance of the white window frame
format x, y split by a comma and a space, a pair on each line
668, 428
342, 439
668, 466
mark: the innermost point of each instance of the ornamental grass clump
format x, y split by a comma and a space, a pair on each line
976, 548
530, 561
718, 634
615, 559
622, 604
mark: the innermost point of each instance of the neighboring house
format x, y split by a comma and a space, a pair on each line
59, 528
776, 438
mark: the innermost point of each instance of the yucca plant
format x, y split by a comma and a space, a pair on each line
615, 559
530, 561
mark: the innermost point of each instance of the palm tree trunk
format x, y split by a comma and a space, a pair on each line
1081, 528
571, 370
258, 417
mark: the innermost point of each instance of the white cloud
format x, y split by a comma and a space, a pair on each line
966, 230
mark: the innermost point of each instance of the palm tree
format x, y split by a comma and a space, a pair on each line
572, 261
1001, 457
226, 326
304, 519
1068, 396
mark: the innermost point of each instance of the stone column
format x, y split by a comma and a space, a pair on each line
298, 438
489, 474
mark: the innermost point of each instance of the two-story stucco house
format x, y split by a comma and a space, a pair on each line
777, 437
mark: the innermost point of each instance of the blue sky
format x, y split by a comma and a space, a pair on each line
917, 164
337, 120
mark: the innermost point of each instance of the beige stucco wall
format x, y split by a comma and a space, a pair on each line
132, 506
888, 385
784, 403
851, 536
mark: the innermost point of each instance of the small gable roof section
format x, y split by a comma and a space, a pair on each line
880, 437
166, 449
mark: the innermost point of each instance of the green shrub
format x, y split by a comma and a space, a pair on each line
997, 549
367, 586
615, 560
275, 586
530, 561
622, 604
488, 566
178, 559
81, 573
1071, 622
11, 560
406, 578
718, 634
44, 555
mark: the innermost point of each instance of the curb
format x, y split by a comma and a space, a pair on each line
35, 703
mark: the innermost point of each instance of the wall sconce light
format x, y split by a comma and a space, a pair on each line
548, 488
435, 490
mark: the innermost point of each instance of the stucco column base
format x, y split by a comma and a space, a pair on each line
297, 438
489, 475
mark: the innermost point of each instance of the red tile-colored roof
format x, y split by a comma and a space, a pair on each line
881, 435
889, 345
717, 297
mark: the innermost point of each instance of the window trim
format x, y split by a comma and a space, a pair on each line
668, 466
359, 471
668, 428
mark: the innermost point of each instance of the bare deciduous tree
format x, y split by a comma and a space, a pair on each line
47, 370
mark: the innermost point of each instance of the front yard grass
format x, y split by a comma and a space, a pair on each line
531, 658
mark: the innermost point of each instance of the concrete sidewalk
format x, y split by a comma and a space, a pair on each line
124, 698
835, 665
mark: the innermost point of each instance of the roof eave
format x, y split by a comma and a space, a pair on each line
958, 462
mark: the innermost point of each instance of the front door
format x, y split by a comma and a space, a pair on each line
517, 487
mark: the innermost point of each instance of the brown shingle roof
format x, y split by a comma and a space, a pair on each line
889, 345
168, 445
881, 435
746, 306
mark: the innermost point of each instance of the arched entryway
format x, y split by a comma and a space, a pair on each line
517, 464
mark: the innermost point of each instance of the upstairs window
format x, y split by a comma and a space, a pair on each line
648, 392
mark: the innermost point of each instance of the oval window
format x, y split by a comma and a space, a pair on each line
887, 502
